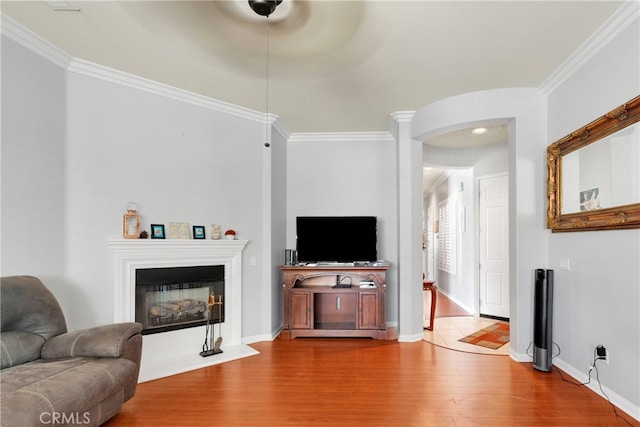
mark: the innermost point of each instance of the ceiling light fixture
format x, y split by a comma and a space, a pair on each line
479, 131
266, 8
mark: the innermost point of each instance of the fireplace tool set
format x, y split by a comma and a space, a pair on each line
210, 348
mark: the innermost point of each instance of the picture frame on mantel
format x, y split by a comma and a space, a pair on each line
157, 231
179, 230
198, 232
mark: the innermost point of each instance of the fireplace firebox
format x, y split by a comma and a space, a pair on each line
172, 298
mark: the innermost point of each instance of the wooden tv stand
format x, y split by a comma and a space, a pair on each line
315, 307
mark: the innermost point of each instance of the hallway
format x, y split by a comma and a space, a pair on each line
452, 322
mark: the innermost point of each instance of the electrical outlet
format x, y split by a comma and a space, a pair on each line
602, 353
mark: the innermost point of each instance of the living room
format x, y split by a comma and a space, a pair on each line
80, 140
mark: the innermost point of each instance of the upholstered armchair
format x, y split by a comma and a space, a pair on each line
51, 376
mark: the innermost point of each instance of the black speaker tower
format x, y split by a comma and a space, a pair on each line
543, 320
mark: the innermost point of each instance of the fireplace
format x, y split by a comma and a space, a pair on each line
177, 350
172, 298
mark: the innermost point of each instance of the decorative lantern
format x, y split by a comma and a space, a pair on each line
131, 221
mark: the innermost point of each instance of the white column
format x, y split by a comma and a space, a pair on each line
409, 158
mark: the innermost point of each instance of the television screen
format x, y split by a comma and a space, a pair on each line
336, 238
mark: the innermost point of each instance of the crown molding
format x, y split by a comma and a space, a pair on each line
402, 116
30, 40
399, 117
46, 50
341, 137
611, 28
273, 121
278, 125
100, 72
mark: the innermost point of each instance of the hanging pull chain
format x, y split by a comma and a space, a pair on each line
267, 142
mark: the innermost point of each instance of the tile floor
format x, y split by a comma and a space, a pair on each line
448, 330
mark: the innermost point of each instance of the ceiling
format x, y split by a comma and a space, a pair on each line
333, 66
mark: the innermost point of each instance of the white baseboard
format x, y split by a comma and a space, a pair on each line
263, 337
617, 400
410, 338
470, 310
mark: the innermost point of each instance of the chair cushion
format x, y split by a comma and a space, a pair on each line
18, 347
70, 386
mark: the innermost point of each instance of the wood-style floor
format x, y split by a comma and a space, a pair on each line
445, 307
364, 382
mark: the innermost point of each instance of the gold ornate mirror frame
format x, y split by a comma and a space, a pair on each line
617, 217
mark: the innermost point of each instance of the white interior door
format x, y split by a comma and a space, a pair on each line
494, 245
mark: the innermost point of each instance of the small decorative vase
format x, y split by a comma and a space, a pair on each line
230, 237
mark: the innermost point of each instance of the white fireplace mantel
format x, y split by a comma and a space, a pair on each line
131, 254
173, 352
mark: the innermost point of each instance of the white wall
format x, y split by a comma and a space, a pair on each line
81, 146
178, 161
33, 165
278, 228
487, 160
345, 174
598, 300
494, 160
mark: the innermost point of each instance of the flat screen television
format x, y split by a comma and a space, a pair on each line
336, 239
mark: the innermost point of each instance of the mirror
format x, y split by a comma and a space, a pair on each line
593, 180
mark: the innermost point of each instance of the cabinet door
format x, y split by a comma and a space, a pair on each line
368, 311
300, 310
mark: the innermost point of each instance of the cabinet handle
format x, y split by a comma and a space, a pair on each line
337, 303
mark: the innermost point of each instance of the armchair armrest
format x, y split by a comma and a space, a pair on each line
100, 341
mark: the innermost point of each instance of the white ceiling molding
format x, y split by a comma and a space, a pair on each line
48, 51
611, 28
341, 137
398, 117
279, 126
402, 116
80, 66
29, 40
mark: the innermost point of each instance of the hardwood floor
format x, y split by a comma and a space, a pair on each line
364, 382
445, 307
